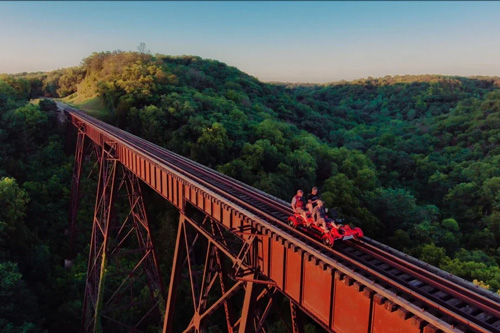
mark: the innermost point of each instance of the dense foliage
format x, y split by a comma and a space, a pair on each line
35, 174
413, 160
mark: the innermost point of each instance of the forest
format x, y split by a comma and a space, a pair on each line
413, 160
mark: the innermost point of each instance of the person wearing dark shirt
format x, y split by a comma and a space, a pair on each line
334, 214
312, 199
334, 217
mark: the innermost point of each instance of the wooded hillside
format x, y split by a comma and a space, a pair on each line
413, 160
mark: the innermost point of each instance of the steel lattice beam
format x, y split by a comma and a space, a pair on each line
75, 188
213, 270
92, 305
143, 233
104, 300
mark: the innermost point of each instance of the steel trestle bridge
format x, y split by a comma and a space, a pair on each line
248, 256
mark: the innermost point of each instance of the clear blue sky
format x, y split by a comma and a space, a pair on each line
274, 41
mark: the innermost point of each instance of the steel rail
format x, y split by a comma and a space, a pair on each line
459, 315
278, 204
478, 301
464, 284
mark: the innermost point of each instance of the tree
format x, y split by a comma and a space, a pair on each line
396, 207
432, 254
13, 201
212, 146
17, 305
47, 105
153, 123
14, 235
142, 48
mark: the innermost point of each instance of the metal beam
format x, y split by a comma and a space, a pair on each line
179, 256
297, 324
247, 312
75, 189
96, 272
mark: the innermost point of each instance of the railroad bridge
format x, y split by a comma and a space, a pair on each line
239, 257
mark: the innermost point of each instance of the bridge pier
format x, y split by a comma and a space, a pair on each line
75, 189
241, 281
179, 256
98, 256
113, 271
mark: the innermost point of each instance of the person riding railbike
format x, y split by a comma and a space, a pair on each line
312, 199
299, 205
319, 216
335, 218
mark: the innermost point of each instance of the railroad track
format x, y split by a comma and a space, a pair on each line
457, 302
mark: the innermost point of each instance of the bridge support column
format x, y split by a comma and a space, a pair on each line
261, 316
75, 189
297, 324
223, 278
140, 224
96, 271
118, 262
179, 256
248, 311
206, 297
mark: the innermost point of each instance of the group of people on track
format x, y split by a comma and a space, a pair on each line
313, 206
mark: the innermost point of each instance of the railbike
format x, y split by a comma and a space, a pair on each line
344, 232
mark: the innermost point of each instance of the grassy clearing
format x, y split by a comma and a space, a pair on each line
94, 106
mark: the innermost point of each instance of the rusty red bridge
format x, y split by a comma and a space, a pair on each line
240, 258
